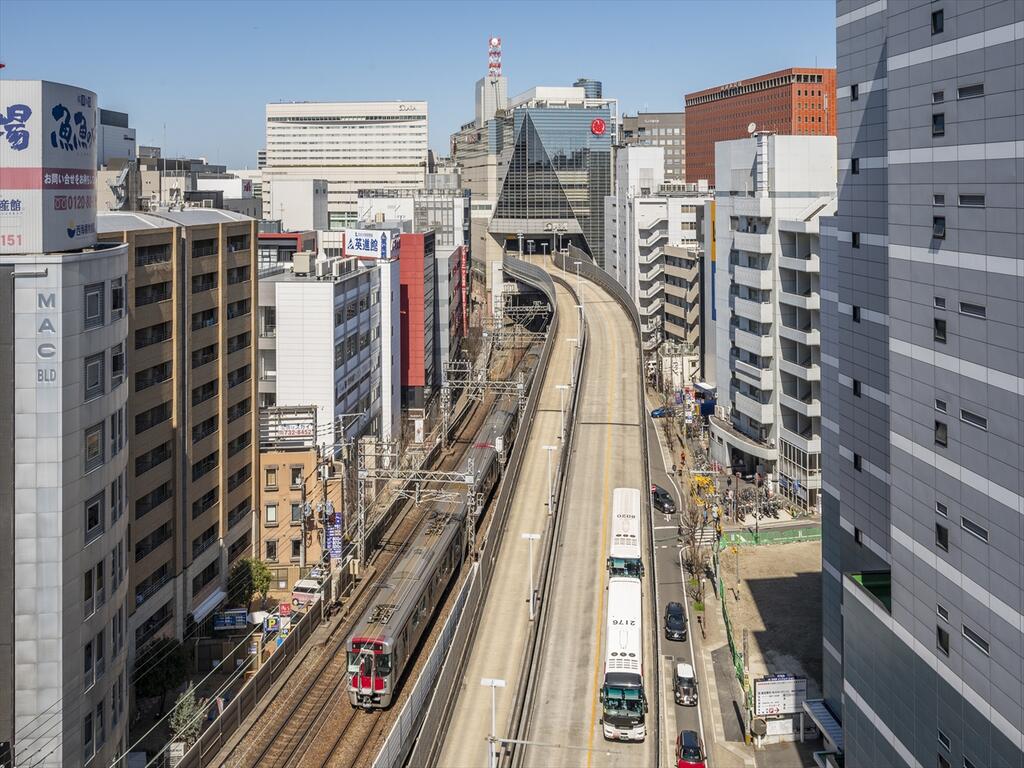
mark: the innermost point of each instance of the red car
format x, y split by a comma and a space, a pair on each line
690, 750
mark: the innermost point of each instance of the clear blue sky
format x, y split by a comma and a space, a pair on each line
203, 71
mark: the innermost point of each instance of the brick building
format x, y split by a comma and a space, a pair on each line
417, 317
792, 101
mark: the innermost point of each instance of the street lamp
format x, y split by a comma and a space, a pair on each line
551, 488
530, 538
562, 389
492, 740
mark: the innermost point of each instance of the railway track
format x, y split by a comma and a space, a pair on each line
292, 732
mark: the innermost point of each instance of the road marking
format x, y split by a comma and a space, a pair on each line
598, 658
665, 527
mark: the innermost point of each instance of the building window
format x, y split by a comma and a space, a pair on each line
940, 405
940, 302
968, 763
296, 477
94, 447
87, 667
270, 476
857, 463
855, 239
970, 91
296, 549
855, 165
271, 550
942, 640
858, 536
116, 298
940, 331
941, 612
942, 537
941, 509
974, 419
938, 97
88, 595
271, 514
117, 365
937, 21
95, 374
974, 529
87, 745
939, 124
971, 201
939, 227
942, 761
296, 512
152, 254
856, 388
854, 92
941, 434
855, 313
977, 640
976, 310
205, 465
153, 294
938, 199
94, 305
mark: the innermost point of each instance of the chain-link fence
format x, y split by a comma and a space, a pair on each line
786, 536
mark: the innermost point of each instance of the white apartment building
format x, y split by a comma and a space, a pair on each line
330, 336
765, 298
353, 145
63, 469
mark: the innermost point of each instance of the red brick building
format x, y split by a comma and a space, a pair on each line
416, 310
791, 101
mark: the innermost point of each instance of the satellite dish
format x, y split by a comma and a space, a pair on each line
752, 127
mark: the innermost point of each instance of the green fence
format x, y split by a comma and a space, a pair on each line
737, 655
787, 536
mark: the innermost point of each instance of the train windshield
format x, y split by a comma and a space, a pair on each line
369, 664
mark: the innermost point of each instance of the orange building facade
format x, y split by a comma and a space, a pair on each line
792, 101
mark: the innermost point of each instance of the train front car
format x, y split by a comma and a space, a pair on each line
371, 672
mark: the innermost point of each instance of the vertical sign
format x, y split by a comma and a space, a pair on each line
47, 167
335, 532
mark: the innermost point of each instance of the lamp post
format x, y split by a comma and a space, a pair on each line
562, 389
493, 683
551, 489
530, 538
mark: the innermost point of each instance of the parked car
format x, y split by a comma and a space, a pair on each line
690, 750
661, 413
662, 500
684, 685
675, 621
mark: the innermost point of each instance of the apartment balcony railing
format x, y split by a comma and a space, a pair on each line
147, 591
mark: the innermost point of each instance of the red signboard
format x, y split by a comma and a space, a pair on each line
597, 127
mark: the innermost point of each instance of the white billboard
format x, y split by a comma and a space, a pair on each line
779, 695
47, 167
376, 244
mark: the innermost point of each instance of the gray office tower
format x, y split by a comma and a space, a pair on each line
922, 355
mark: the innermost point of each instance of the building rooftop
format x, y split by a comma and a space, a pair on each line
190, 217
128, 221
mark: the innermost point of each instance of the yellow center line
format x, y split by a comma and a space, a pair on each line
599, 634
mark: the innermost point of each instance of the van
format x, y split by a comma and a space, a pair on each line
305, 592
685, 685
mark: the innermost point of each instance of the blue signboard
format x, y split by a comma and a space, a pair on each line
335, 533
233, 618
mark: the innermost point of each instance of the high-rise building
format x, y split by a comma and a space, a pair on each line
191, 417
353, 145
297, 203
772, 193
800, 101
659, 129
115, 139
419, 375
922, 300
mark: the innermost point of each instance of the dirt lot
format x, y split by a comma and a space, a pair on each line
780, 607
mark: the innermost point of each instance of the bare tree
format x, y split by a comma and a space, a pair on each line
696, 556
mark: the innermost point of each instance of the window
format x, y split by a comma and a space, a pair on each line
970, 91
857, 463
116, 298
95, 373
296, 477
206, 281
239, 376
939, 124
204, 429
974, 419
94, 305
271, 514
855, 165
941, 434
152, 334
241, 341
939, 227
938, 97
941, 612
94, 447
238, 275
940, 302
942, 639
855, 239
117, 365
972, 201
270, 477
152, 294
101, 735
240, 443
88, 603
940, 331
296, 512
204, 502
854, 92
940, 405
856, 388
855, 313
116, 498
204, 248
155, 415
296, 549
204, 392
937, 22
152, 458
204, 355
858, 536
205, 319
968, 763
87, 666
974, 529
100, 644
238, 308
977, 640
941, 509
942, 762
938, 199
976, 310
942, 537
205, 465
151, 376
152, 254
271, 550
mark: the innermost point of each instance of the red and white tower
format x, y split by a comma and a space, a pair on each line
494, 57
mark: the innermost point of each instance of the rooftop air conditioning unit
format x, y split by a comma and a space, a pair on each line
323, 269
379, 218
720, 412
337, 267
302, 262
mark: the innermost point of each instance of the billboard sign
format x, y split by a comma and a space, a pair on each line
233, 618
47, 167
372, 244
335, 533
779, 695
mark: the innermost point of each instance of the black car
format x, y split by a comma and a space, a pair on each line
662, 500
675, 622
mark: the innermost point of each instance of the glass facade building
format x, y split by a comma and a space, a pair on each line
558, 170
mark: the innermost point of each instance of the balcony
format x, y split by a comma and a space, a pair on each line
810, 407
761, 207
809, 372
878, 584
752, 278
809, 443
753, 243
728, 433
758, 311
761, 378
653, 291
802, 300
810, 264
748, 406
758, 345
811, 337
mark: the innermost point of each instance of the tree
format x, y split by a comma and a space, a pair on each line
249, 577
161, 666
186, 719
691, 526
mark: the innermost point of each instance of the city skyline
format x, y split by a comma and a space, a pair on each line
166, 113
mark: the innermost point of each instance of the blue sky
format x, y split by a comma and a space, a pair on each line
201, 72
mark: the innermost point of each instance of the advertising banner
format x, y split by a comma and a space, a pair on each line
47, 167
374, 244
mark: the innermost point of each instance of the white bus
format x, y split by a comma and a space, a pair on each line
624, 557
623, 703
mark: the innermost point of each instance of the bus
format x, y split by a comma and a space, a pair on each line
624, 553
623, 702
